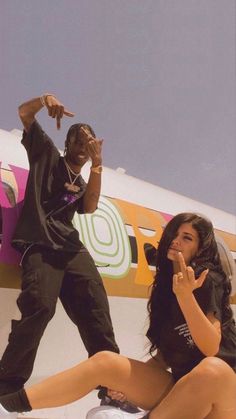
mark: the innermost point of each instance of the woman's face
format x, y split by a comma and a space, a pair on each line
186, 241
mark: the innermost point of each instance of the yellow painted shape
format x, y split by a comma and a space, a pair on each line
139, 217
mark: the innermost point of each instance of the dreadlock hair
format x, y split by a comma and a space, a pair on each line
207, 257
74, 131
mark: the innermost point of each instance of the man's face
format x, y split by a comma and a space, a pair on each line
77, 152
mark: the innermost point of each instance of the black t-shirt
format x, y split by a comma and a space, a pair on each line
176, 343
48, 209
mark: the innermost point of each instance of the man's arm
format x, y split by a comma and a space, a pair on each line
92, 194
28, 110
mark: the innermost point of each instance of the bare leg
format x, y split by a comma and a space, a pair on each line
142, 383
207, 392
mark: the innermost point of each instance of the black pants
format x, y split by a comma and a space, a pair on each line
47, 275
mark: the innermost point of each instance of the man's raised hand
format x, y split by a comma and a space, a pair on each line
56, 109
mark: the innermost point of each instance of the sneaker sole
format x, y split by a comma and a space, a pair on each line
109, 412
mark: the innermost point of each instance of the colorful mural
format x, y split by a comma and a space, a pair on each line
121, 236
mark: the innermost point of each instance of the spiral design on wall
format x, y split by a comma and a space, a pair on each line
105, 236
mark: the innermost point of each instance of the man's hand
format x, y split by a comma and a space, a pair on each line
94, 148
184, 282
56, 109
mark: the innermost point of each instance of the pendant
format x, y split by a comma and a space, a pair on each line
72, 188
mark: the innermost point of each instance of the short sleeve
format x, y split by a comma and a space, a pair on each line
83, 185
209, 296
37, 142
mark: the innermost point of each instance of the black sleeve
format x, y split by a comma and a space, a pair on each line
37, 142
209, 296
83, 185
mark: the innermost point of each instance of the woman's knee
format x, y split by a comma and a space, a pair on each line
213, 372
215, 367
106, 360
105, 357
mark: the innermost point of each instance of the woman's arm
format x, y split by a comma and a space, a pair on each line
205, 329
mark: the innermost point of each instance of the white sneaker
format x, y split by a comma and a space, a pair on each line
109, 412
5, 414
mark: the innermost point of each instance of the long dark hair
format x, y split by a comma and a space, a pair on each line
207, 257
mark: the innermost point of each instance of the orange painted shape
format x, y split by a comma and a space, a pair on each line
141, 218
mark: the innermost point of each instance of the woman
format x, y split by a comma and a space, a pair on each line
191, 331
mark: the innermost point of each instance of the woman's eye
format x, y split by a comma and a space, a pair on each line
188, 238
80, 143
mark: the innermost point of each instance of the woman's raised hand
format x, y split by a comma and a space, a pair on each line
184, 282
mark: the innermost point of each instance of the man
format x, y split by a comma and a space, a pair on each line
54, 261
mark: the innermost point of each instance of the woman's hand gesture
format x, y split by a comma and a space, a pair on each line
184, 282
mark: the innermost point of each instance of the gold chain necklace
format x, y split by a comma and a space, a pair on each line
70, 171
70, 186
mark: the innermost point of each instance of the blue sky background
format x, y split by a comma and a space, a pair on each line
155, 78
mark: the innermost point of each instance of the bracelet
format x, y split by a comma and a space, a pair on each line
44, 97
96, 169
